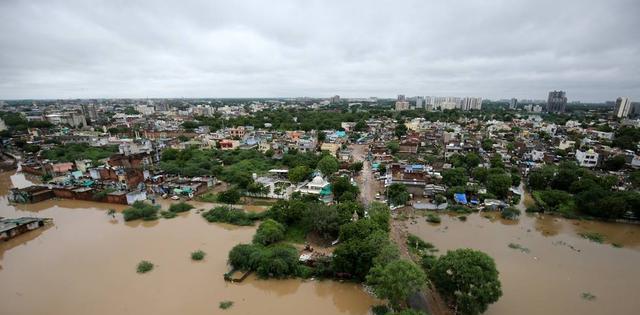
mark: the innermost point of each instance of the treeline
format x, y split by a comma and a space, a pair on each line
573, 191
78, 151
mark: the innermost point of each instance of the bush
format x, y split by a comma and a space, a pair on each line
168, 214
417, 245
141, 210
229, 215
433, 218
198, 255
180, 207
230, 196
244, 256
533, 208
225, 304
278, 261
269, 232
144, 266
510, 213
462, 218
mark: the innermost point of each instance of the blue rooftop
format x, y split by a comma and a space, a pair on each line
461, 198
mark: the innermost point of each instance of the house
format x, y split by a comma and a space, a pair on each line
317, 186
587, 158
227, 144
10, 228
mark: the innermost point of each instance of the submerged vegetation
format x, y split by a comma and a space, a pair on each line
593, 236
225, 304
141, 210
144, 266
225, 214
198, 255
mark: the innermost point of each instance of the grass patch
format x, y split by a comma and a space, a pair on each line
226, 304
433, 218
593, 236
519, 247
208, 197
198, 255
588, 296
144, 266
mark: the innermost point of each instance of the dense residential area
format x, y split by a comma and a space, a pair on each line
338, 188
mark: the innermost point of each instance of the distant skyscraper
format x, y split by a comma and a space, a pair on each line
401, 98
557, 102
335, 99
623, 107
513, 103
471, 103
419, 102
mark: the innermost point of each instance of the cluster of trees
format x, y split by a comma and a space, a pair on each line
141, 210
16, 122
568, 189
230, 215
78, 151
364, 253
302, 119
497, 179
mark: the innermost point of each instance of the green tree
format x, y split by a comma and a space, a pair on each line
487, 144
467, 278
396, 280
356, 167
355, 256
230, 196
299, 173
393, 146
499, 184
455, 177
328, 165
342, 186
398, 194
269, 232
401, 130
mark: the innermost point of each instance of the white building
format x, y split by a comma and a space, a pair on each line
587, 158
623, 107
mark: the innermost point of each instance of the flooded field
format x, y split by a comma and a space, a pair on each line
85, 264
550, 266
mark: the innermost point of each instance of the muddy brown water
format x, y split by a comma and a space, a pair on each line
85, 263
559, 266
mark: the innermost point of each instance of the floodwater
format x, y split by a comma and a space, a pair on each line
557, 265
85, 263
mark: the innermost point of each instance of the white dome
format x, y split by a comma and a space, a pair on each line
317, 180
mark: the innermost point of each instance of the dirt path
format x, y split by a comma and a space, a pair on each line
427, 300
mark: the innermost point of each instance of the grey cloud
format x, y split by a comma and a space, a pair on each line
494, 49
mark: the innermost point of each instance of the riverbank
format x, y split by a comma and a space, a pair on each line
85, 264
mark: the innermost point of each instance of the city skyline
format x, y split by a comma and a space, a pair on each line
69, 49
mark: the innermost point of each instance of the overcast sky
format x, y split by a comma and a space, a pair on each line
490, 48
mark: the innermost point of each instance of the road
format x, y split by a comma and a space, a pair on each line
367, 183
427, 300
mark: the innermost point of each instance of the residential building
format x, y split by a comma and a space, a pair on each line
623, 107
557, 102
587, 158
